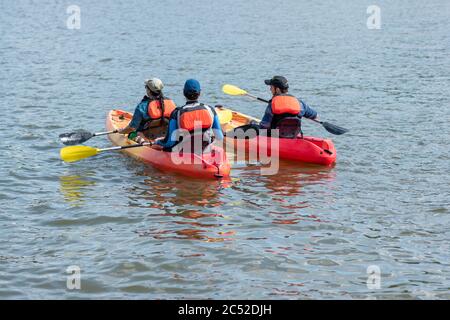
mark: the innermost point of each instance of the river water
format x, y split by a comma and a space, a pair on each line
305, 233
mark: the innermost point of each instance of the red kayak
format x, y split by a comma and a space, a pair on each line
307, 149
211, 165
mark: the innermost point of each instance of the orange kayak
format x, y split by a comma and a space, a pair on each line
211, 165
307, 149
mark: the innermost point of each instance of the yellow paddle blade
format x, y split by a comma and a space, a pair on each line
225, 115
233, 90
75, 153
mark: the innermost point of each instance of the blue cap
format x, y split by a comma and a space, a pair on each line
191, 86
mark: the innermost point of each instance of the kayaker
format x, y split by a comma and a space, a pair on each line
188, 116
284, 110
153, 111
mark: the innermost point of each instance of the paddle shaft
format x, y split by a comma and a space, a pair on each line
267, 101
126, 147
104, 133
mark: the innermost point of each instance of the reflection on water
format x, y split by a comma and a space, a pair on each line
166, 190
179, 199
186, 234
291, 178
189, 207
285, 195
74, 187
290, 183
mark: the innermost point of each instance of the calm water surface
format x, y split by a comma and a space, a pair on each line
308, 232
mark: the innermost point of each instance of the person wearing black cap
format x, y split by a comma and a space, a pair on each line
191, 116
284, 109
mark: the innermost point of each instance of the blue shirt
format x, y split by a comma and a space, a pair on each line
140, 116
306, 111
169, 141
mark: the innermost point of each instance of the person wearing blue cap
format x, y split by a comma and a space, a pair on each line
193, 115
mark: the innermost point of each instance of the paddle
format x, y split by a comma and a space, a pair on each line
225, 115
236, 91
76, 153
80, 136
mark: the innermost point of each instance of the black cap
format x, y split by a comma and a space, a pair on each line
278, 81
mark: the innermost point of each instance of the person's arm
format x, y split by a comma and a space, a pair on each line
137, 119
218, 134
307, 111
168, 141
267, 119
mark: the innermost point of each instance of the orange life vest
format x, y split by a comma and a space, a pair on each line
285, 103
155, 111
195, 116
